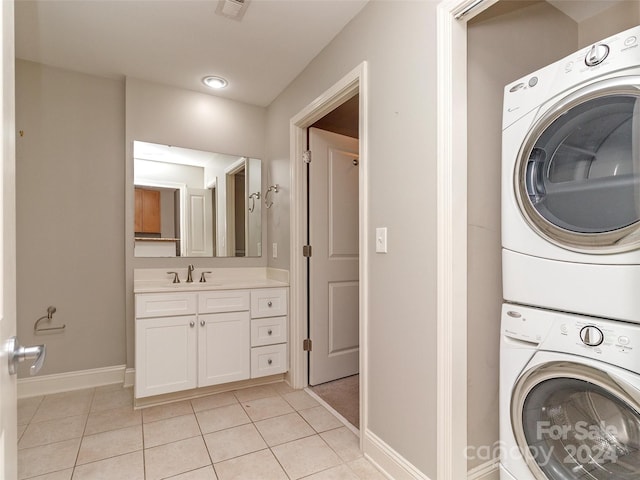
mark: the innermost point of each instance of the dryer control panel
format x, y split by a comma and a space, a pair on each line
589, 64
610, 341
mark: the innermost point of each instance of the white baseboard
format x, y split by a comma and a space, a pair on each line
487, 471
129, 377
64, 382
393, 465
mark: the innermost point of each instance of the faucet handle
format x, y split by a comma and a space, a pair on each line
203, 279
176, 279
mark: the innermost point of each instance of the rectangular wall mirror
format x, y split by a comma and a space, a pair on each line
190, 203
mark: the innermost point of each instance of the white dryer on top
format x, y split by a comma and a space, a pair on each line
571, 183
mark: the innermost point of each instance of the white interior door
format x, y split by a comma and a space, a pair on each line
334, 265
199, 222
8, 409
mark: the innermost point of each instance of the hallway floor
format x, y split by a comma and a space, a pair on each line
270, 432
343, 395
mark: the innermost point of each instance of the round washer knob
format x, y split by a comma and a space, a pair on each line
591, 336
596, 55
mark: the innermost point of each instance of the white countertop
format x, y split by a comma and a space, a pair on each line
153, 280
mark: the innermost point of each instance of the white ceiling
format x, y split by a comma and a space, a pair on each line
178, 42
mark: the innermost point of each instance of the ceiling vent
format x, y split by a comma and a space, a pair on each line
233, 9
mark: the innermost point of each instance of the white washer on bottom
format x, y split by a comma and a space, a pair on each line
569, 396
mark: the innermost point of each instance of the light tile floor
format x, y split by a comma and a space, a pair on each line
270, 432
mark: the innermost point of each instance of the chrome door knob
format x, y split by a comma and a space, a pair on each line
18, 353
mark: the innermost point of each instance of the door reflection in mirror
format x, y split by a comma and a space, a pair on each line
206, 203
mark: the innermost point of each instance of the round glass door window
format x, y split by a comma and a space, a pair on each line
575, 429
578, 177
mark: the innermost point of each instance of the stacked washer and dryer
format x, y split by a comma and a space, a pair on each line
570, 332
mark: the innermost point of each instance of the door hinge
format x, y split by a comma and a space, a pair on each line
306, 345
306, 250
306, 156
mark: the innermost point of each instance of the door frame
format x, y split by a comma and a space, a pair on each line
351, 84
451, 161
8, 312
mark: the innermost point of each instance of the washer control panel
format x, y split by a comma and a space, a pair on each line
610, 341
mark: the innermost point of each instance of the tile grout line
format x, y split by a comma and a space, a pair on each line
192, 411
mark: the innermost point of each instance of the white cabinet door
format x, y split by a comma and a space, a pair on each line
223, 348
166, 355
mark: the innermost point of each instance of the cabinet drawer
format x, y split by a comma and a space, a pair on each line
165, 304
223, 301
269, 360
267, 331
268, 302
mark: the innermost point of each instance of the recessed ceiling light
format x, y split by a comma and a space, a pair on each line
215, 82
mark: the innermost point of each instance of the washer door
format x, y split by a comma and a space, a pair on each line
577, 176
575, 422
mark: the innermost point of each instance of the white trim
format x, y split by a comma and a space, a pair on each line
451, 241
64, 382
393, 465
452, 235
352, 83
129, 377
487, 471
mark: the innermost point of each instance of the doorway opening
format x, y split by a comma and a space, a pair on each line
333, 273
352, 88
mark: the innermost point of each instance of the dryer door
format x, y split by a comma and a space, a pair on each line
573, 421
577, 178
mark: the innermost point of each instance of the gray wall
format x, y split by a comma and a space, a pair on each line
620, 17
70, 204
75, 200
505, 43
397, 39
161, 114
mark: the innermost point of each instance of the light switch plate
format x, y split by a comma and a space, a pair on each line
274, 250
381, 240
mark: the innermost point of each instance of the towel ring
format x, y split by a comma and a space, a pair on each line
270, 191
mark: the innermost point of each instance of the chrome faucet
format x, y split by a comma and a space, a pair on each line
189, 274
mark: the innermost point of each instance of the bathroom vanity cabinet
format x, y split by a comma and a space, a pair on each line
193, 339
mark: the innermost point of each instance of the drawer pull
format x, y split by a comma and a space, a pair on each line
192, 324
202, 323
269, 304
269, 361
269, 331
